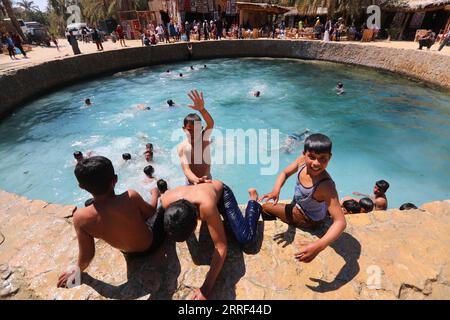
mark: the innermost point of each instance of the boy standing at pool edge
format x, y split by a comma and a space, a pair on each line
194, 152
315, 195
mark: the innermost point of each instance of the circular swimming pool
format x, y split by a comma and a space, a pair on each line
383, 127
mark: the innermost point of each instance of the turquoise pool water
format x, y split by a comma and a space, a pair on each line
384, 127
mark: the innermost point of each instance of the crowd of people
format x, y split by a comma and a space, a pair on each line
429, 39
12, 41
153, 33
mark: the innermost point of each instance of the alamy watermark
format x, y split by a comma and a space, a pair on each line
74, 279
231, 146
374, 19
73, 9
374, 273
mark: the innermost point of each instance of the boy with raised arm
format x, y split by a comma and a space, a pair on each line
194, 152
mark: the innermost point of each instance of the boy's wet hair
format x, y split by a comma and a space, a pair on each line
383, 185
95, 174
180, 220
352, 206
408, 206
162, 185
340, 84
149, 146
170, 102
366, 204
191, 118
318, 143
126, 156
87, 101
77, 154
149, 170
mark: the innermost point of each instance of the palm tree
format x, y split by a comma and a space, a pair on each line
29, 8
28, 5
9, 10
58, 15
349, 9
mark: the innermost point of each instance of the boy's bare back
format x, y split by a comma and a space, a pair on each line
204, 194
119, 221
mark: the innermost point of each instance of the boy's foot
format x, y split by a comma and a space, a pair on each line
253, 194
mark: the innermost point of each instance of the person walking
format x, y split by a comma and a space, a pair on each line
18, 43
96, 37
6, 39
73, 42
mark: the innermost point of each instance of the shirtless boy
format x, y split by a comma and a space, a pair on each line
194, 152
185, 205
120, 220
379, 195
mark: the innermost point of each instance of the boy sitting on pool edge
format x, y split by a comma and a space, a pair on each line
124, 221
315, 195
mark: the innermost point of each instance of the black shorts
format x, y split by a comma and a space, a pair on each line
156, 226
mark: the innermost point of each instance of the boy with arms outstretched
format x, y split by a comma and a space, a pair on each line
315, 196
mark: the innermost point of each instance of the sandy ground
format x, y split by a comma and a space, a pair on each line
43, 54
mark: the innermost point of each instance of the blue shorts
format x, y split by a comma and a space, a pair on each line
243, 227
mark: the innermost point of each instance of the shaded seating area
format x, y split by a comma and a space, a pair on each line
258, 15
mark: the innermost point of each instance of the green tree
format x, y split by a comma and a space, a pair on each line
28, 9
10, 12
57, 16
28, 5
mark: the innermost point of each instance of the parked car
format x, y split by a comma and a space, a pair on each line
80, 30
37, 33
21, 23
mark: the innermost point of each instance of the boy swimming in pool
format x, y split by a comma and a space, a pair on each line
185, 205
194, 152
124, 221
379, 195
148, 153
315, 195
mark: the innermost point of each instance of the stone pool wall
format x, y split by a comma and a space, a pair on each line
23, 85
382, 255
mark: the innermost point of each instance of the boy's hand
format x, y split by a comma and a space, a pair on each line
155, 192
357, 194
63, 278
197, 99
308, 251
204, 179
270, 196
198, 295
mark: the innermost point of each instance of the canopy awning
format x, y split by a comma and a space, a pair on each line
262, 7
